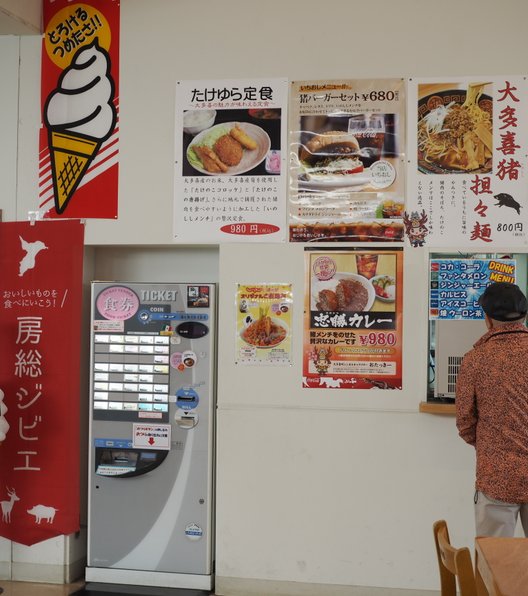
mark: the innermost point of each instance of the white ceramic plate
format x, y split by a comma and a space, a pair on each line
331, 284
250, 158
328, 182
393, 285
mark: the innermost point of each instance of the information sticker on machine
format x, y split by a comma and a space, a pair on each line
152, 436
193, 531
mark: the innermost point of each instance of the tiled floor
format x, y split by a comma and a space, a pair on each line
32, 589
79, 589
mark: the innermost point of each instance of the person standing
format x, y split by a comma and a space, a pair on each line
492, 411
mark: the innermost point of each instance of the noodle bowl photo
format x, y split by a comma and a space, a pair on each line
265, 332
455, 131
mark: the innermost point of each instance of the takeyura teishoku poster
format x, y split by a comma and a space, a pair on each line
78, 144
353, 319
40, 326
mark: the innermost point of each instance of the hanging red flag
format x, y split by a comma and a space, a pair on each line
40, 327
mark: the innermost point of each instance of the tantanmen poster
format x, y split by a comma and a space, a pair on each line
467, 162
79, 135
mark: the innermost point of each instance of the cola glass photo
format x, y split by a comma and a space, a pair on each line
369, 130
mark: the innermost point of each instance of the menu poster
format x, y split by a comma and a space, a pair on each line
467, 156
347, 163
230, 173
263, 324
353, 319
456, 285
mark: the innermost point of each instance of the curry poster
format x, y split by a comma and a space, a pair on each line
467, 162
40, 327
79, 135
353, 319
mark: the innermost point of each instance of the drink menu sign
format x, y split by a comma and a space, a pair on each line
353, 319
467, 155
456, 285
230, 156
346, 160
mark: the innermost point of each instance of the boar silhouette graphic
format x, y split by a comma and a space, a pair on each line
41, 512
506, 200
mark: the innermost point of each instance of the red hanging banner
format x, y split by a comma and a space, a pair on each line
40, 327
79, 138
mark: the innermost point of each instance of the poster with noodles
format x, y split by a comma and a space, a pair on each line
353, 305
41, 272
79, 135
263, 324
347, 160
468, 143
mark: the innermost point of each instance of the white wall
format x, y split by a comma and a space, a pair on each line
9, 55
325, 486
315, 487
166, 40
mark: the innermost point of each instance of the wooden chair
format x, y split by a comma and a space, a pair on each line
454, 564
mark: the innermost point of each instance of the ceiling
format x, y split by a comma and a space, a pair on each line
17, 23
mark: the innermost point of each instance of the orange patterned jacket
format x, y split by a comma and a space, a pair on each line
492, 411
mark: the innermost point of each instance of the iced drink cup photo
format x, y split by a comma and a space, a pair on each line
366, 265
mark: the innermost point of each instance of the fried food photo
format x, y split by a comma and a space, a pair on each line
327, 300
244, 139
222, 147
348, 294
210, 159
229, 150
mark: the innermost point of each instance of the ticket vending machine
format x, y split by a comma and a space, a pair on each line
150, 501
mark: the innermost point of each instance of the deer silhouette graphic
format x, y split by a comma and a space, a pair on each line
8, 505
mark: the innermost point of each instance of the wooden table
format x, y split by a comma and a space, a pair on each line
501, 566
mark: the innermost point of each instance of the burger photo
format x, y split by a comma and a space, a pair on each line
332, 153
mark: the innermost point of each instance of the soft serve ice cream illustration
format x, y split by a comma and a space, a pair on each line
79, 115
